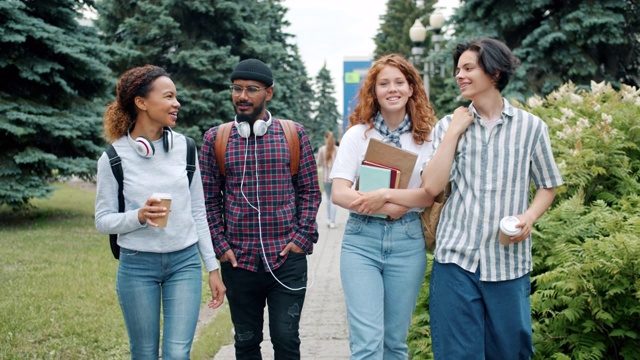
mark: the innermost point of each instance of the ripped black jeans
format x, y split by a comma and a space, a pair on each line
249, 292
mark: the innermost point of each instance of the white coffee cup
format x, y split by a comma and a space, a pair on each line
165, 200
507, 229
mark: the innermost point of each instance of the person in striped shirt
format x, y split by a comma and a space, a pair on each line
491, 152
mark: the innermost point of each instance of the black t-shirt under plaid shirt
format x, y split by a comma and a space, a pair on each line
259, 195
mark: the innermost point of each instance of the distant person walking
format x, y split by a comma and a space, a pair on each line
491, 153
383, 260
326, 156
159, 271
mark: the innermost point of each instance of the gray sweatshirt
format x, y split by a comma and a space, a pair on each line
164, 172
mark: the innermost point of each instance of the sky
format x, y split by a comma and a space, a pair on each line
327, 31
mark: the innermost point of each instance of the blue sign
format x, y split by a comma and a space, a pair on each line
355, 70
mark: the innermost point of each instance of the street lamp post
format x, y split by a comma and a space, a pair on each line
418, 34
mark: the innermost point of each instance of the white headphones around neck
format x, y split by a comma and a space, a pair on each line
260, 127
145, 148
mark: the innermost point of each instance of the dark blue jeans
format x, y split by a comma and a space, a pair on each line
248, 292
473, 319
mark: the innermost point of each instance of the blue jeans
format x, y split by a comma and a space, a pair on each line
248, 292
473, 319
331, 207
148, 281
382, 266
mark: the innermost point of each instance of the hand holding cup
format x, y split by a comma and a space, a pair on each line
155, 211
508, 229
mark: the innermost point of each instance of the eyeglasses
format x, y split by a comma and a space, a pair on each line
251, 90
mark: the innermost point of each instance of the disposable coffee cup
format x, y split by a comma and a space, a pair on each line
165, 200
507, 229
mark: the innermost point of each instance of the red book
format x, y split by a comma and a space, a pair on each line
395, 173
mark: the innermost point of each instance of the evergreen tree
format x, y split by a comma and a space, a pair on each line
294, 100
52, 70
293, 93
199, 42
560, 41
393, 35
325, 109
192, 40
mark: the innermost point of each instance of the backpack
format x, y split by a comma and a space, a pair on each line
290, 133
431, 216
116, 168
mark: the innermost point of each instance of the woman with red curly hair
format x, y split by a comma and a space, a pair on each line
383, 260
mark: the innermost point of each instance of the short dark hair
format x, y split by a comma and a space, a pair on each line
493, 57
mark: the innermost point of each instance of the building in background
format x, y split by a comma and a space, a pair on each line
355, 69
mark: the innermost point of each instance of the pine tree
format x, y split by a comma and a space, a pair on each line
560, 41
393, 35
192, 40
325, 109
52, 70
199, 42
293, 93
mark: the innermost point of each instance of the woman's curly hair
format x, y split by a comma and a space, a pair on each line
419, 108
122, 113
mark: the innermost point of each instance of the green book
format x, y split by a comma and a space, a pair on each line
374, 178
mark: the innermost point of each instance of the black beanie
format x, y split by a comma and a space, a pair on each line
253, 69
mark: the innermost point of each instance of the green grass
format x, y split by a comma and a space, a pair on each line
58, 285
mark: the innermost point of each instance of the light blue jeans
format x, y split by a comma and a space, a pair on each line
331, 207
148, 281
382, 266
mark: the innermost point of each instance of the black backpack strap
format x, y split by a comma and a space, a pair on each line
191, 158
116, 168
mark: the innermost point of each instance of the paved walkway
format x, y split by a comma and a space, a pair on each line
323, 327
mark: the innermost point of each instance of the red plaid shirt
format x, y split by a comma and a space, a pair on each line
259, 196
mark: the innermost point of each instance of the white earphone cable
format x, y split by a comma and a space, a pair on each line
257, 208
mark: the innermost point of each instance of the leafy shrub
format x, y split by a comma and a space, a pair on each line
587, 304
596, 140
586, 278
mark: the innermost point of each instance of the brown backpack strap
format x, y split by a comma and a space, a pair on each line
220, 145
291, 134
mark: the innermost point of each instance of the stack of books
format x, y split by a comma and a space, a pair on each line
385, 167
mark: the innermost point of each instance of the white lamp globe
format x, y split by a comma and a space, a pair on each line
436, 20
417, 32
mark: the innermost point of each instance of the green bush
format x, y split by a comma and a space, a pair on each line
586, 279
587, 304
596, 140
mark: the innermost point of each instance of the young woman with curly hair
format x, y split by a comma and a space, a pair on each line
383, 261
160, 271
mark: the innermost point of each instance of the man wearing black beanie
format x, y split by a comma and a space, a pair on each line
262, 217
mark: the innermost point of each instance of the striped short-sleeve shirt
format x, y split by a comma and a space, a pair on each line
491, 177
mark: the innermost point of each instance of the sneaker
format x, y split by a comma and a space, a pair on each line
332, 226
